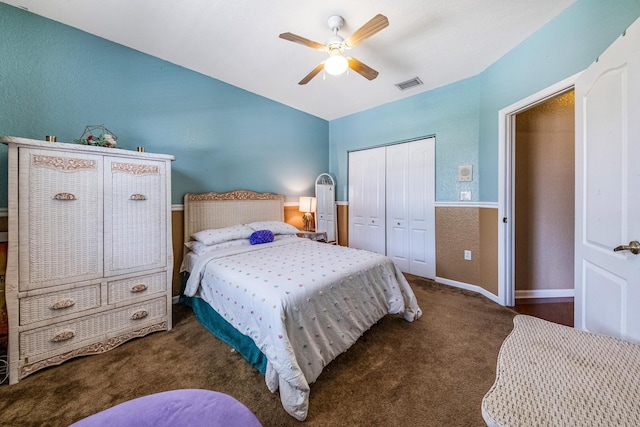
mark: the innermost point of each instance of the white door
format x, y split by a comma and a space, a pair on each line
422, 196
607, 281
397, 197
367, 200
410, 206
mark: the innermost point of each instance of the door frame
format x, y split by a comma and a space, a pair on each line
506, 187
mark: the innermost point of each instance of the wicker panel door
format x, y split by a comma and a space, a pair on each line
135, 216
60, 231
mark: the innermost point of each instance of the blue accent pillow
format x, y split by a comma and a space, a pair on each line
261, 236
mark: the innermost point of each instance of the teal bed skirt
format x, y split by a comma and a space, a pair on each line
219, 327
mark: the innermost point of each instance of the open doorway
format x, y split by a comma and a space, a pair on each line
535, 200
544, 209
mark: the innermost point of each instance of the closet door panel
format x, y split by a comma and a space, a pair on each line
421, 210
397, 185
367, 200
393, 189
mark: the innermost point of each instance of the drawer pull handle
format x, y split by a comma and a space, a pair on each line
65, 303
141, 287
63, 336
138, 197
140, 314
64, 196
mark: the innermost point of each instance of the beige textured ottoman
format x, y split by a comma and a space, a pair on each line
554, 375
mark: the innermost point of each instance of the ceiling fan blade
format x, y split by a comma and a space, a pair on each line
312, 74
362, 69
374, 25
298, 39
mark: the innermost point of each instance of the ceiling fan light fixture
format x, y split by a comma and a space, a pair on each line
336, 64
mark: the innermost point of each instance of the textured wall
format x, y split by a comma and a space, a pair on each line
544, 196
489, 249
457, 230
55, 80
463, 116
450, 113
567, 45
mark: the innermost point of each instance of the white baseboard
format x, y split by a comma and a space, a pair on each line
546, 293
468, 287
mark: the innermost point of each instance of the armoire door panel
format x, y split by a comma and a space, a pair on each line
134, 191
61, 197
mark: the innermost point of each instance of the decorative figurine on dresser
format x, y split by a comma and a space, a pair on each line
90, 259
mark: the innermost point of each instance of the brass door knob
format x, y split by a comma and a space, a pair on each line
633, 247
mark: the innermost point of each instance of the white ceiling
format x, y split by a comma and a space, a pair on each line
236, 41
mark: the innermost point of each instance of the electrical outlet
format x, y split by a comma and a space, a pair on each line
467, 255
465, 195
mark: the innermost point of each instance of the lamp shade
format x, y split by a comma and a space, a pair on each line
307, 204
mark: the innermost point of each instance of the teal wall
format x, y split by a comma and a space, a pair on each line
451, 113
55, 80
463, 116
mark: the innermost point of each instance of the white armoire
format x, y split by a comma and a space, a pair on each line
392, 203
89, 257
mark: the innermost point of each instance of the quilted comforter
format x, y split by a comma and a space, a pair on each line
302, 302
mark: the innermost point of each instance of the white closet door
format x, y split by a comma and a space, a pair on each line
410, 206
421, 207
367, 200
397, 177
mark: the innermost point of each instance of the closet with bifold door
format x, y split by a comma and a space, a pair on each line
392, 203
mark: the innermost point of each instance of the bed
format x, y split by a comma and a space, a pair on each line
289, 305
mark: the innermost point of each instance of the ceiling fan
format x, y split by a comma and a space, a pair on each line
336, 63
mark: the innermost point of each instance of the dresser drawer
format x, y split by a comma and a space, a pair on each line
65, 336
123, 290
56, 304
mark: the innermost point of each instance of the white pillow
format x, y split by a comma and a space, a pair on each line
219, 235
283, 236
276, 227
200, 248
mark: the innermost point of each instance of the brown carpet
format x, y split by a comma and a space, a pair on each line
433, 372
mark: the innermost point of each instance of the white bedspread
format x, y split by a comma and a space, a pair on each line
302, 302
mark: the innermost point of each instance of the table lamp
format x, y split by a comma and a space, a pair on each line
307, 205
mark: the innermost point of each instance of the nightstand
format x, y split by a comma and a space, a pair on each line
318, 236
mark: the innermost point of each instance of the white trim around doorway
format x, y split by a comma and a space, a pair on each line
506, 116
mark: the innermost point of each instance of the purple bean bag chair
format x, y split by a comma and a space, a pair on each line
176, 408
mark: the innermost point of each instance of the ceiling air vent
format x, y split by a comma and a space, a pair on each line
409, 83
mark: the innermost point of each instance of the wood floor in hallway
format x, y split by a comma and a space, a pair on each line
557, 310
